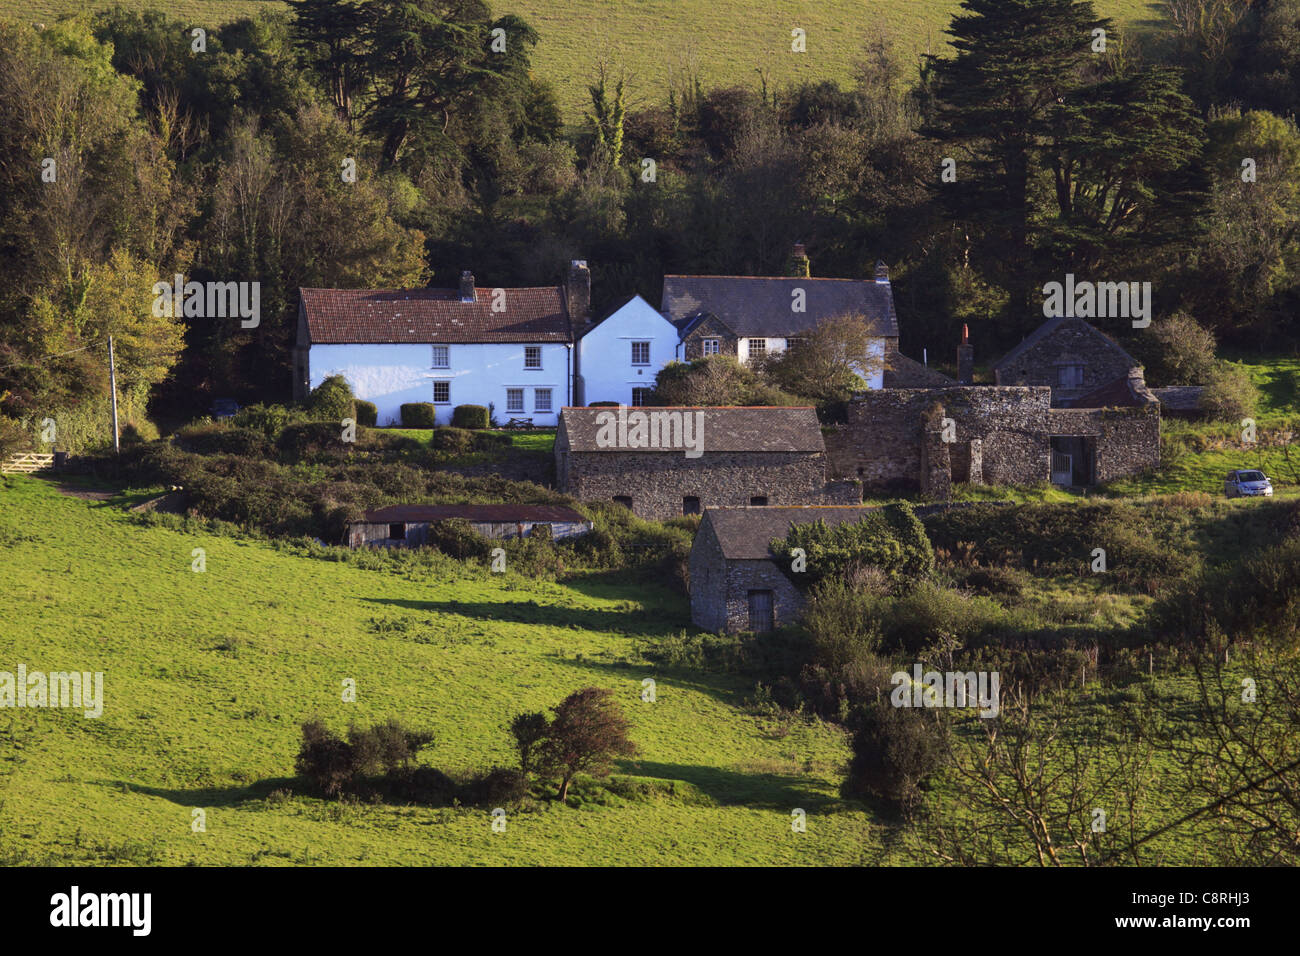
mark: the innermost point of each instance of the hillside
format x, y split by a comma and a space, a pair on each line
725, 41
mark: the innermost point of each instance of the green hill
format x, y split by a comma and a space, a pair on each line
725, 41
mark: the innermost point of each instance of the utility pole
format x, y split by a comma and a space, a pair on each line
112, 384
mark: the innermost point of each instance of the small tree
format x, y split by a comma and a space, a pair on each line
827, 364
529, 731
586, 734
331, 400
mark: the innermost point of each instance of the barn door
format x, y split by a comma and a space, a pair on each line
1062, 468
761, 617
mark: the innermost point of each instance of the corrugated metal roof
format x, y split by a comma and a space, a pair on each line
415, 316
493, 514
763, 428
760, 306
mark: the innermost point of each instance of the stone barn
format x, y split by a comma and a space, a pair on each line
736, 584
407, 526
666, 462
930, 439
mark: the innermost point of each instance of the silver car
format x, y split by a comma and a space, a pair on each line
1247, 483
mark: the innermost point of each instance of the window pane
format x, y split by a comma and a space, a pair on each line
441, 393
514, 399
640, 353
533, 356
440, 356
542, 400
639, 396
757, 348
710, 347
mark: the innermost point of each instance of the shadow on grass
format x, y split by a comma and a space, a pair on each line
212, 796
622, 621
728, 689
775, 791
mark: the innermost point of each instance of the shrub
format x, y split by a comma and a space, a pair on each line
270, 420
458, 441
456, 538
491, 441
336, 766
603, 404
895, 751
499, 787
1229, 395
223, 440
418, 415
367, 414
298, 442
891, 539
1178, 351
332, 400
470, 417
325, 759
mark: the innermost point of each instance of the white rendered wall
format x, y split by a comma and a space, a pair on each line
608, 374
393, 375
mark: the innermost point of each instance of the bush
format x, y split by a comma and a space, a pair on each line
367, 414
895, 751
891, 539
380, 754
223, 440
1178, 351
470, 416
418, 415
499, 787
456, 538
458, 441
491, 441
332, 400
298, 442
1230, 395
270, 420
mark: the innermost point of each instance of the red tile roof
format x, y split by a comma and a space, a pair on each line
416, 316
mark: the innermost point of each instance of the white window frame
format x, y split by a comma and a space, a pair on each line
444, 382
446, 356
642, 345
710, 346
510, 409
749, 348
550, 401
533, 350
645, 390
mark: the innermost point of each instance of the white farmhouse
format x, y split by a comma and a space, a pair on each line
511, 349
620, 356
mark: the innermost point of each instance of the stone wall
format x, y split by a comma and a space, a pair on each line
720, 588
1073, 342
657, 482
999, 435
709, 328
883, 439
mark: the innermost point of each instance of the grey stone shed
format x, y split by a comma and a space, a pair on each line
736, 584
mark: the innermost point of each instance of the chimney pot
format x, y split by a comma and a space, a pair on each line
467, 287
882, 271
965, 359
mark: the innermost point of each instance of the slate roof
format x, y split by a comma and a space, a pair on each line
745, 534
756, 306
903, 372
1180, 398
1050, 326
1118, 393
416, 316
724, 429
494, 514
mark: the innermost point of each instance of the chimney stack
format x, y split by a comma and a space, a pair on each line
800, 266
882, 271
467, 286
577, 287
965, 359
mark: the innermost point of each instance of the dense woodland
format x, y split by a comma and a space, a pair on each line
225, 164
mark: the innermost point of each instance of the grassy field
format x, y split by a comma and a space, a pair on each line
724, 41
208, 676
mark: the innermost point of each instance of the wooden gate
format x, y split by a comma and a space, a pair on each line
26, 462
761, 615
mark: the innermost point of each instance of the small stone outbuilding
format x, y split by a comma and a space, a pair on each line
407, 526
736, 584
737, 456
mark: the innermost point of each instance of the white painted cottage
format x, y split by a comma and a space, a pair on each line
511, 349
621, 355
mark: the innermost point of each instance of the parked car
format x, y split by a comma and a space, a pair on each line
224, 408
1247, 483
